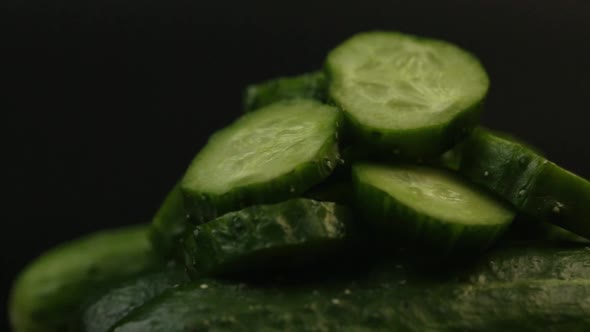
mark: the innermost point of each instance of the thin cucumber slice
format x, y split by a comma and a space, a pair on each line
264, 236
105, 311
267, 156
534, 185
522, 288
169, 223
49, 293
307, 86
406, 95
428, 206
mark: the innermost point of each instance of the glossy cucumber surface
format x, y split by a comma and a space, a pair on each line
405, 95
267, 236
106, 310
427, 206
516, 288
526, 179
267, 156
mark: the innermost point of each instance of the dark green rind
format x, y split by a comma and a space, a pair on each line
47, 296
421, 143
169, 223
451, 159
426, 141
309, 86
119, 301
204, 206
264, 236
528, 181
400, 225
514, 289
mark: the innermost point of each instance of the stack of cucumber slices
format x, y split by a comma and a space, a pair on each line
362, 197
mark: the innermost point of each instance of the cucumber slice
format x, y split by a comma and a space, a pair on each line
534, 185
119, 301
169, 223
513, 289
267, 156
408, 96
49, 293
307, 86
264, 236
428, 206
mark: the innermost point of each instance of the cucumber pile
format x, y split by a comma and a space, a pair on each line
360, 197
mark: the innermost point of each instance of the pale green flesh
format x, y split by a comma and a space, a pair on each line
395, 81
436, 193
262, 145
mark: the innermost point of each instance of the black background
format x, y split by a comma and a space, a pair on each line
104, 103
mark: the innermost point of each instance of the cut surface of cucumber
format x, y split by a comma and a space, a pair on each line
49, 293
308, 86
264, 236
266, 156
412, 96
534, 185
429, 205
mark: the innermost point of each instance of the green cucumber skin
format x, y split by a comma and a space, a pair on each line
203, 207
399, 225
288, 233
499, 164
415, 144
48, 295
531, 183
168, 224
560, 197
119, 301
517, 288
409, 144
308, 86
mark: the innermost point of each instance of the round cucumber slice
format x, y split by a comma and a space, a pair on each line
266, 156
169, 223
48, 295
309, 86
428, 206
409, 96
534, 185
285, 234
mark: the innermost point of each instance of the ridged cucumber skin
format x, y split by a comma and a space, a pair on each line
261, 236
50, 292
560, 197
104, 312
531, 183
426, 141
499, 164
397, 224
517, 288
308, 86
203, 206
